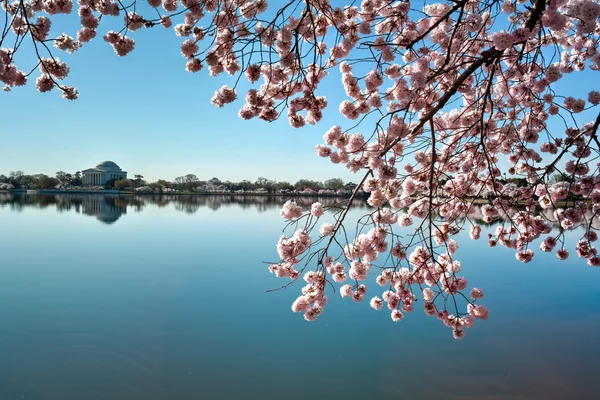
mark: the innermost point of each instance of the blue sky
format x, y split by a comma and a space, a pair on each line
150, 116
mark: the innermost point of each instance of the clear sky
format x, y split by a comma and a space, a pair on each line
151, 117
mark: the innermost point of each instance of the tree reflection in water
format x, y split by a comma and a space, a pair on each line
109, 208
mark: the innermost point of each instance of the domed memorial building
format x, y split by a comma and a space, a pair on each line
104, 172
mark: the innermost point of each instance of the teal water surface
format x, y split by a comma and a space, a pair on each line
166, 298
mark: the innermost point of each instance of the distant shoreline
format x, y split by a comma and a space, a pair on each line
130, 193
364, 196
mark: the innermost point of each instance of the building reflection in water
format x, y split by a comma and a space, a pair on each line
109, 208
106, 209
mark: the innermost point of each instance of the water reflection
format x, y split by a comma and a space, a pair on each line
109, 208
105, 209
160, 307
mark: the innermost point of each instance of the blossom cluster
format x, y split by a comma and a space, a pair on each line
418, 276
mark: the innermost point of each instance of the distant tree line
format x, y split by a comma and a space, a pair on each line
38, 181
189, 182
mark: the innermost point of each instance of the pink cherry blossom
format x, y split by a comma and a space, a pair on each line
397, 315
476, 293
224, 96
316, 210
376, 303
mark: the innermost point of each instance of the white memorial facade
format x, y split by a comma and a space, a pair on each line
102, 173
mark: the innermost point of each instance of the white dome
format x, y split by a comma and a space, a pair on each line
108, 166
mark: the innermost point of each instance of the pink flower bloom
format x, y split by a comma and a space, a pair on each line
502, 40
362, 289
393, 300
478, 311
524, 256
397, 315
133, 21
291, 210
339, 277
169, 5
65, 43
223, 96
300, 304
326, 229
476, 293
316, 209
548, 244
428, 294
44, 83
346, 291
475, 232
452, 246
592, 236
189, 48
594, 261
312, 313
594, 97
193, 65
458, 333
405, 220
429, 308
166, 22
121, 44
358, 297
54, 67
70, 93
359, 270
467, 321
376, 303
84, 35
398, 251
323, 151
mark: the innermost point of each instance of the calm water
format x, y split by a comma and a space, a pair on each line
165, 298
